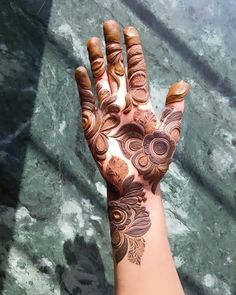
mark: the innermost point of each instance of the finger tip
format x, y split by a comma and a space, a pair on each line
111, 31
107, 24
80, 71
130, 31
93, 41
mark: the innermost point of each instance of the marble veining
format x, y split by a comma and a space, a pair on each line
53, 223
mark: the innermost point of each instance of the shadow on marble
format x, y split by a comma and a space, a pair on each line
202, 66
84, 273
23, 34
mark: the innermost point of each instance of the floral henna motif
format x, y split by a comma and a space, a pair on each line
98, 123
129, 220
150, 150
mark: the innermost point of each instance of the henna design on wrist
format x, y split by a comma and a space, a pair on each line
129, 220
98, 123
150, 150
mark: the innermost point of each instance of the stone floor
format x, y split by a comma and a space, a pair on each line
53, 225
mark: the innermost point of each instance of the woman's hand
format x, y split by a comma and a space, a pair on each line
132, 147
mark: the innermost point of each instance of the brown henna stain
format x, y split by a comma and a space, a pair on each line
116, 171
137, 70
128, 103
96, 57
97, 122
172, 120
147, 119
129, 220
149, 153
102, 92
177, 92
113, 50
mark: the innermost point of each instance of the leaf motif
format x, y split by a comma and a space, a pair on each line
121, 251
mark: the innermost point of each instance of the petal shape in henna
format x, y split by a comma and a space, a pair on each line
101, 145
147, 119
128, 103
159, 146
116, 171
110, 122
130, 138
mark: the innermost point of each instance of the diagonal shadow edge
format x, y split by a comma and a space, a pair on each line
17, 100
221, 84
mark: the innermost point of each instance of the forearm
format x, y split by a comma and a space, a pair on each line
156, 273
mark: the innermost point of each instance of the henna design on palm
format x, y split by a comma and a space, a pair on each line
132, 147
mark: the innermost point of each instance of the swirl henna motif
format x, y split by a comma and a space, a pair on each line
114, 51
98, 123
150, 150
129, 220
137, 69
148, 144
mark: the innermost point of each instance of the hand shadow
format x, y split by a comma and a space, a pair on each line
84, 273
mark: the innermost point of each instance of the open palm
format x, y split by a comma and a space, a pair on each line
122, 130
132, 147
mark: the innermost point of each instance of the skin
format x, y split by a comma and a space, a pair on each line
133, 149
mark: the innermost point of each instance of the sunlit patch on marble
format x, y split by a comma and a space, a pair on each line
27, 276
216, 285
179, 261
62, 127
101, 189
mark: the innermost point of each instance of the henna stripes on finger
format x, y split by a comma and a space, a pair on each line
113, 50
137, 69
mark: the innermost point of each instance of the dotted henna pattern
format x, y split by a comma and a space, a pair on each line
129, 220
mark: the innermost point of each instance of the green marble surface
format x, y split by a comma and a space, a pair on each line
54, 234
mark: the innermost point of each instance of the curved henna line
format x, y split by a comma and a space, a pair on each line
128, 103
96, 57
150, 154
172, 120
98, 125
130, 137
147, 119
177, 92
129, 220
116, 171
115, 61
98, 67
102, 92
137, 69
